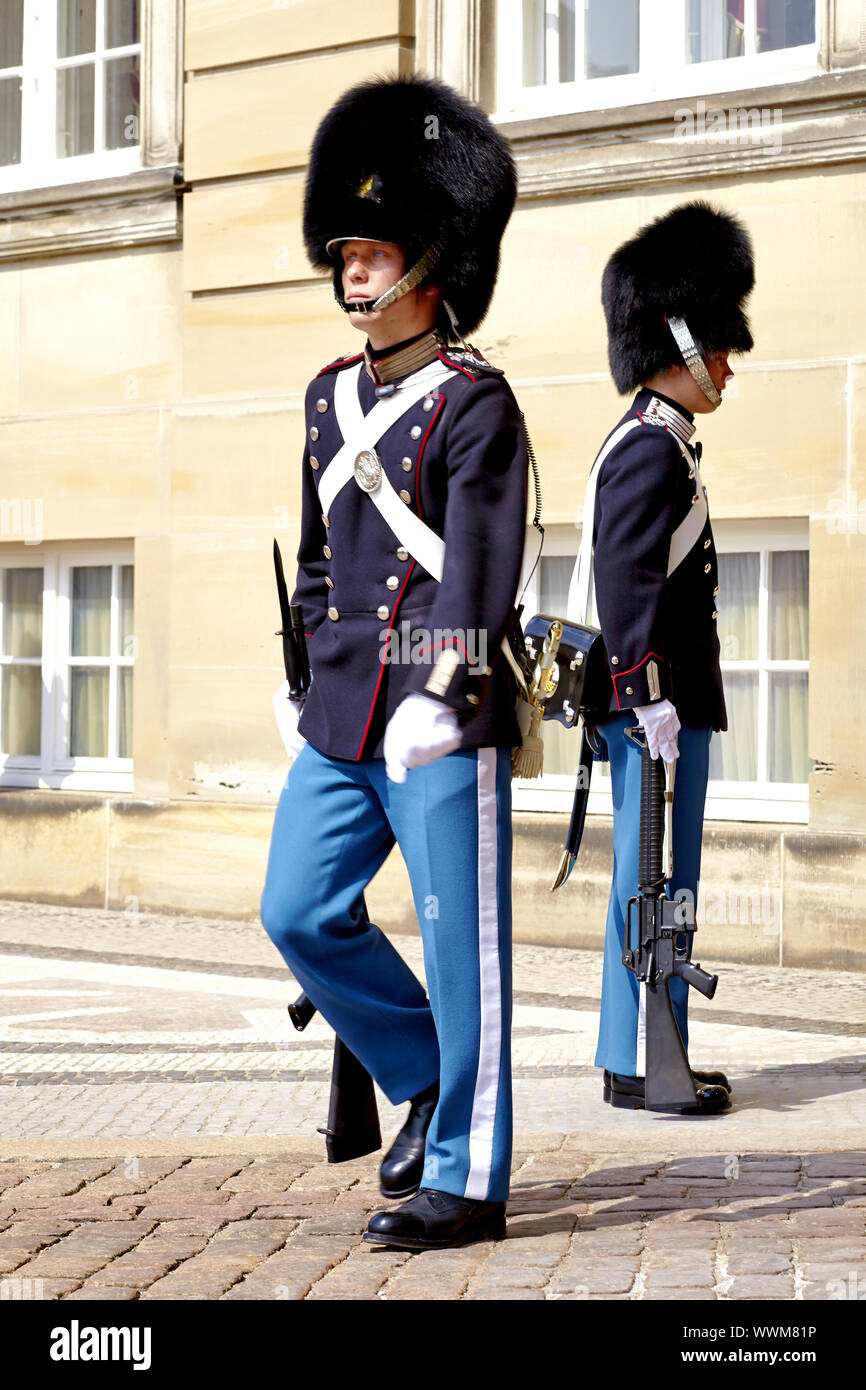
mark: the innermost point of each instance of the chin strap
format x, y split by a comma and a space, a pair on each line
693, 360
407, 282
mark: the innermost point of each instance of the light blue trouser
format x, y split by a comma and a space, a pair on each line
335, 824
620, 991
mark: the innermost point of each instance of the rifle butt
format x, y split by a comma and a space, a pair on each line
353, 1115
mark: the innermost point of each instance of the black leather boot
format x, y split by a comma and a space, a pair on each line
434, 1220
402, 1167
627, 1093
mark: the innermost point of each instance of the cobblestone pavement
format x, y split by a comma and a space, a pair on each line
158, 1134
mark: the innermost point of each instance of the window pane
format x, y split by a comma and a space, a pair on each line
10, 120
566, 40
737, 603
785, 23
122, 92
734, 754
22, 710
789, 712
76, 27
126, 619
789, 605
88, 712
124, 712
716, 30
91, 610
533, 43
121, 22
612, 37
11, 33
75, 111
22, 613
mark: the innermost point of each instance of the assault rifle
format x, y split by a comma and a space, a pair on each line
654, 925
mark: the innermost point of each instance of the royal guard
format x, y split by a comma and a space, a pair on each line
673, 299
412, 532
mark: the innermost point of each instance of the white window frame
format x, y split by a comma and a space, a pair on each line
763, 799
664, 72
40, 166
785, 802
54, 768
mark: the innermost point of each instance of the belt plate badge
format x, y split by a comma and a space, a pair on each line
368, 470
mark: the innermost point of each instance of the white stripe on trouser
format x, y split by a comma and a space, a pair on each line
640, 1065
482, 1123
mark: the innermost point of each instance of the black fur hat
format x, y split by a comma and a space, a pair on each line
695, 263
408, 160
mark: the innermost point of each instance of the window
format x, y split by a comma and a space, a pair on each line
69, 90
577, 55
764, 638
759, 769
66, 663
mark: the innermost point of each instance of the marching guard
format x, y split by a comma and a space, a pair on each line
412, 531
673, 299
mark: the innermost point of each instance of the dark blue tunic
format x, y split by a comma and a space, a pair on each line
644, 492
467, 479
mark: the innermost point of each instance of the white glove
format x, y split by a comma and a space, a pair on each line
418, 731
662, 726
287, 713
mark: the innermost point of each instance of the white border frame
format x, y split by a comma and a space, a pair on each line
743, 801
54, 768
660, 76
40, 166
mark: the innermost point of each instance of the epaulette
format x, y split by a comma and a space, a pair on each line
469, 360
340, 362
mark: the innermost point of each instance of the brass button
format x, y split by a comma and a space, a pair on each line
383, 612
695, 499
715, 591
402, 553
325, 522
333, 614
392, 582
329, 581
628, 690
614, 661
415, 432
405, 496
472, 699
707, 569
407, 465
314, 463
321, 405
691, 472
715, 612
326, 551
427, 403
708, 542
314, 433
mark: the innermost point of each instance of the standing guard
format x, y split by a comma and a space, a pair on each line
412, 532
673, 299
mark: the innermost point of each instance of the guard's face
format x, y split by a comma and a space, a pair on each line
719, 369
691, 395
369, 269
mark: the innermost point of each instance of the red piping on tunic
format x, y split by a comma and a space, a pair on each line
435, 417
619, 675
456, 367
382, 667
340, 362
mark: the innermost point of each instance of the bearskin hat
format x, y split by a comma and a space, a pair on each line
408, 160
695, 263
